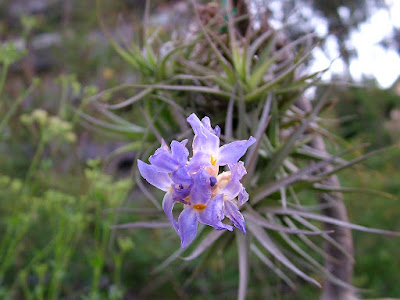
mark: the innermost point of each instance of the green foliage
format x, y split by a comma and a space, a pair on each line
10, 54
56, 236
366, 113
375, 266
42, 234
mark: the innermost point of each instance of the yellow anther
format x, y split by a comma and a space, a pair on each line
213, 160
199, 206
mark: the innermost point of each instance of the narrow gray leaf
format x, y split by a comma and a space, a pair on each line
353, 162
269, 245
125, 128
251, 157
274, 186
129, 101
261, 221
205, 243
308, 215
146, 191
229, 117
167, 261
271, 265
329, 188
310, 243
315, 263
328, 238
282, 153
243, 265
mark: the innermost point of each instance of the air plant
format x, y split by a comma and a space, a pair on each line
250, 84
207, 195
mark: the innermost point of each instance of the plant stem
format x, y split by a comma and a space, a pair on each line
3, 77
35, 161
14, 106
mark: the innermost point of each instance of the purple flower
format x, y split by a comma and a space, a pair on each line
230, 187
206, 149
206, 196
200, 208
168, 173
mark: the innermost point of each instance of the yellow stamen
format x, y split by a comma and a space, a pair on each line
213, 160
199, 206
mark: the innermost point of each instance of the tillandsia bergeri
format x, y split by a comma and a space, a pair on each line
207, 196
250, 84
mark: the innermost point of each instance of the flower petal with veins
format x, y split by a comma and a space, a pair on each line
213, 214
233, 214
160, 180
187, 224
232, 152
168, 205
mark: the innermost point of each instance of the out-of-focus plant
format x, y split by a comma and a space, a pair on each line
9, 55
369, 114
54, 236
250, 83
28, 250
50, 129
106, 194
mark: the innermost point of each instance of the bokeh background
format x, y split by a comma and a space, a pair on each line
64, 180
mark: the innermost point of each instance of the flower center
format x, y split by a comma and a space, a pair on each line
213, 160
223, 179
199, 206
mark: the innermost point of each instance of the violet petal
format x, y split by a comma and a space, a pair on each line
233, 188
201, 189
243, 196
232, 152
163, 160
168, 205
233, 213
160, 180
199, 159
187, 224
204, 140
181, 176
213, 214
179, 152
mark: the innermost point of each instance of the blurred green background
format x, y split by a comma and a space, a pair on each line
63, 182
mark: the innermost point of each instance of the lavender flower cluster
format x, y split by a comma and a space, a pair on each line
207, 196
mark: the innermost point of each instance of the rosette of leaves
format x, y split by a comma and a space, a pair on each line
250, 82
